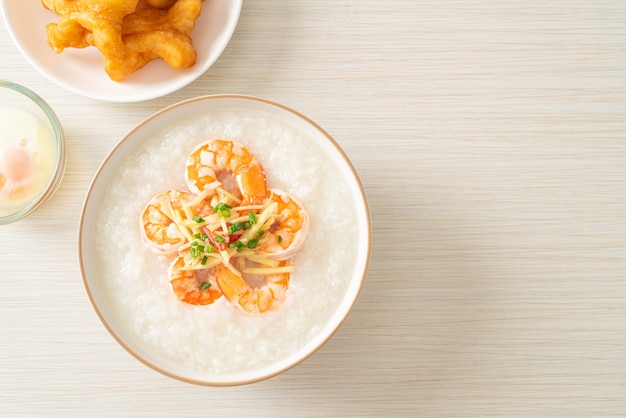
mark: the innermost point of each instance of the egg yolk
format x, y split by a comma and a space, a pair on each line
16, 164
28, 152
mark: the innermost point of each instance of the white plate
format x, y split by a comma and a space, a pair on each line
330, 270
81, 70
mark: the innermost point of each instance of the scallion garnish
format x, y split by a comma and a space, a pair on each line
234, 244
205, 285
235, 227
221, 206
222, 209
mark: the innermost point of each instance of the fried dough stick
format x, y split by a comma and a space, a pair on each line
161, 4
173, 47
150, 34
89, 22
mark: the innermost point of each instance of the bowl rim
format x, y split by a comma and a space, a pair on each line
60, 164
264, 372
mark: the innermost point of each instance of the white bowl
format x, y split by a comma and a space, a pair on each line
81, 70
218, 345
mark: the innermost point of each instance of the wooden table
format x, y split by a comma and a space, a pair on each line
490, 137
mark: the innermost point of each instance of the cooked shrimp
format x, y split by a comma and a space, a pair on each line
285, 236
193, 286
219, 162
255, 290
233, 236
163, 218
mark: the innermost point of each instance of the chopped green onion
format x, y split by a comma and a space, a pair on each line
246, 225
210, 249
260, 233
220, 239
221, 206
235, 227
194, 244
222, 209
205, 285
253, 243
280, 239
198, 219
253, 218
204, 260
200, 247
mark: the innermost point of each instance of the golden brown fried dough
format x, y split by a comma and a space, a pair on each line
150, 34
181, 17
89, 22
128, 33
172, 46
160, 4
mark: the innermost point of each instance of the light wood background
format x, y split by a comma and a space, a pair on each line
490, 137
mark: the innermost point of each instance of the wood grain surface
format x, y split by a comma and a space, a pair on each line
490, 138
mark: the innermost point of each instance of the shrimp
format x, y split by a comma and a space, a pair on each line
193, 286
255, 290
162, 217
285, 236
220, 162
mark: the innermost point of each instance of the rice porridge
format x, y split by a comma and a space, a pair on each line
218, 338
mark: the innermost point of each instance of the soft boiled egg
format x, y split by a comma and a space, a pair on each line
27, 157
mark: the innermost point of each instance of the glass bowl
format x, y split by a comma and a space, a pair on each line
32, 152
